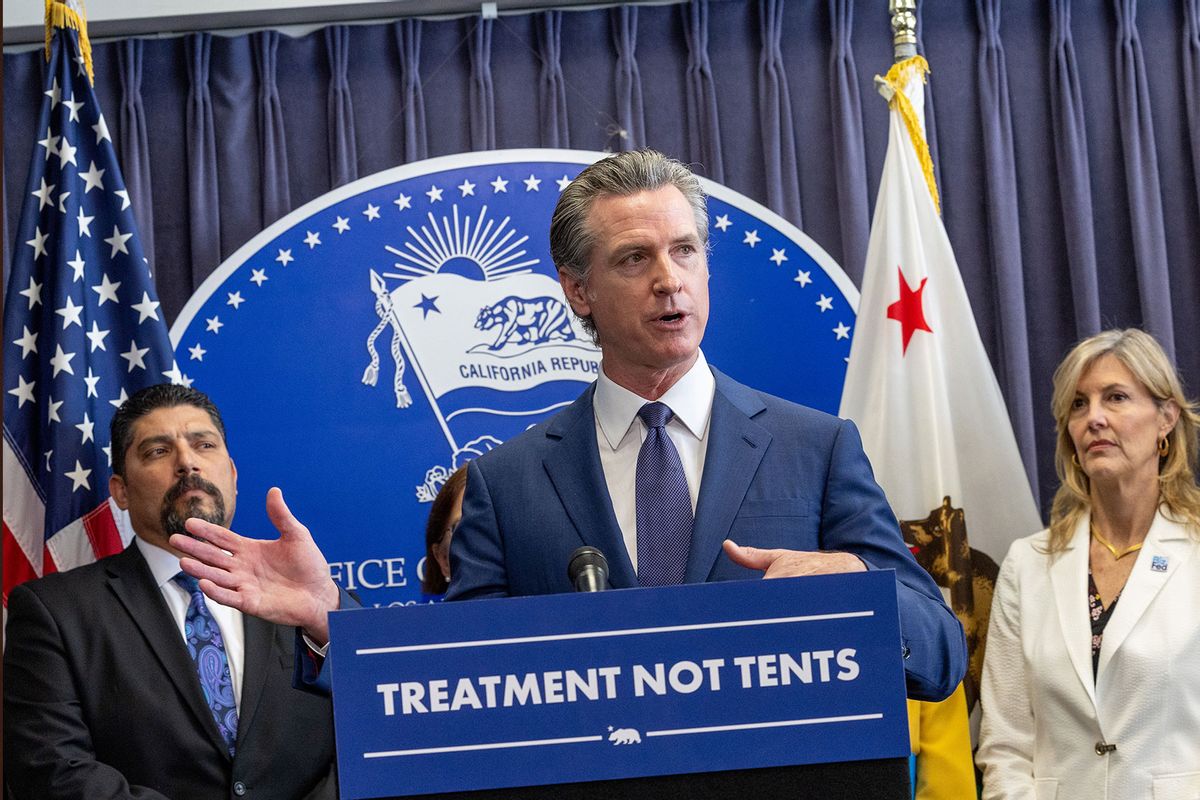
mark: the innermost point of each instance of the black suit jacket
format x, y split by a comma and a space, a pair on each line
101, 700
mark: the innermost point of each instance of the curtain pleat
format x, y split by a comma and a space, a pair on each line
203, 196
408, 41
1191, 82
1004, 231
775, 116
1074, 185
1141, 178
552, 90
343, 153
849, 153
272, 137
132, 143
703, 123
482, 94
631, 114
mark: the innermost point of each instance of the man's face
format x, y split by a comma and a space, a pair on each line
648, 288
176, 467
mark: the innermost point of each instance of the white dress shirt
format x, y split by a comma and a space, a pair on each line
620, 433
165, 566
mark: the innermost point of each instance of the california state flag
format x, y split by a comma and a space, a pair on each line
919, 384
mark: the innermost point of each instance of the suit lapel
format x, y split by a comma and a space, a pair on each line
255, 667
736, 446
1068, 575
131, 581
1167, 545
573, 466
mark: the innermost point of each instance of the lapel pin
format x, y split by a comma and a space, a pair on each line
1158, 564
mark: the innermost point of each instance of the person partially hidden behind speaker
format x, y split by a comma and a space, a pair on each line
662, 464
122, 681
1090, 683
444, 516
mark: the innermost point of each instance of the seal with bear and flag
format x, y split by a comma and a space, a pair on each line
372, 341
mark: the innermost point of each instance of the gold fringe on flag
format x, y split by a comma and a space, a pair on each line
61, 15
896, 80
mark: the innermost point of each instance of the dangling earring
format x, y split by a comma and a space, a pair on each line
1164, 447
1075, 460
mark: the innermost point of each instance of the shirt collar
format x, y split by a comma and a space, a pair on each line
690, 399
164, 565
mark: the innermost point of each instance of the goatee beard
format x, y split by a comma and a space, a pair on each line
173, 519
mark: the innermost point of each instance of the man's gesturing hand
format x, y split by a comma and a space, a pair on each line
792, 563
285, 581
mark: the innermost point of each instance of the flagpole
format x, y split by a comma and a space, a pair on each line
904, 28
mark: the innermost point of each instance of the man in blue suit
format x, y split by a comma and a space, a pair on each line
790, 485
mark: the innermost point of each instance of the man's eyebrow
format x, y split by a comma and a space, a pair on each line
166, 438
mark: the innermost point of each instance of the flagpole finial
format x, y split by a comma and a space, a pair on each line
904, 28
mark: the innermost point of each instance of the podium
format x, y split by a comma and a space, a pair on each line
790, 687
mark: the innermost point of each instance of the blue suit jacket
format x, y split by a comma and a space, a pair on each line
776, 474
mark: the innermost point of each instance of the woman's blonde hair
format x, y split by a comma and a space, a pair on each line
1142, 355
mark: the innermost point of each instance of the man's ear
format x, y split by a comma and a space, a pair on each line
116, 487
576, 293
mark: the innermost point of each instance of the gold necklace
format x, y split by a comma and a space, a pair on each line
1117, 555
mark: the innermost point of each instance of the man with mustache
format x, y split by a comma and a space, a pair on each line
121, 682
673, 470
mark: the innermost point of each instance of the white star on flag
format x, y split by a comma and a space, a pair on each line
235, 299
197, 352
61, 362
77, 266
66, 153
74, 106
91, 380
563, 182
34, 293
371, 212
751, 238
92, 178
402, 202
87, 429
434, 194
466, 187
50, 143
43, 195
533, 184
342, 224
85, 223
106, 289
312, 239
120, 401
147, 309
722, 223
285, 257
27, 342
499, 185
214, 324
96, 337
778, 256
54, 93
23, 392
258, 276
52, 407
38, 242
842, 331
803, 278
117, 242
173, 374
124, 195
62, 202
79, 477
101, 129
825, 304
136, 356
70, 313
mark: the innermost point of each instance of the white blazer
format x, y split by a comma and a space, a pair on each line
1043, 717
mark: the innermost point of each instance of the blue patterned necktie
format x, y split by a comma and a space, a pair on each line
207, 649
664, 505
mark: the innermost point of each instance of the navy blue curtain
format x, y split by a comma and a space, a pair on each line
1066, 147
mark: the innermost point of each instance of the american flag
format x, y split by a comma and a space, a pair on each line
82, 327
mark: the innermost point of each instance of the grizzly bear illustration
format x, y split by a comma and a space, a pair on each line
526, 320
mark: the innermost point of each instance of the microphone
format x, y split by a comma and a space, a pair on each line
588, 570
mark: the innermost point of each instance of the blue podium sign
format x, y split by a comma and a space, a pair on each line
620, 684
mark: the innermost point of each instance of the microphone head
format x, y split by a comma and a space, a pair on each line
587, 557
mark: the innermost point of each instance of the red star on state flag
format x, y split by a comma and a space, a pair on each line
908, 311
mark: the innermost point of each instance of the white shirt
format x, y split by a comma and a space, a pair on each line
165, 566
620, 433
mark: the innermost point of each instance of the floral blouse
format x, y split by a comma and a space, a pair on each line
1100, 616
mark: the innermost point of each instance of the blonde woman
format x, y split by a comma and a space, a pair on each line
1091, 683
